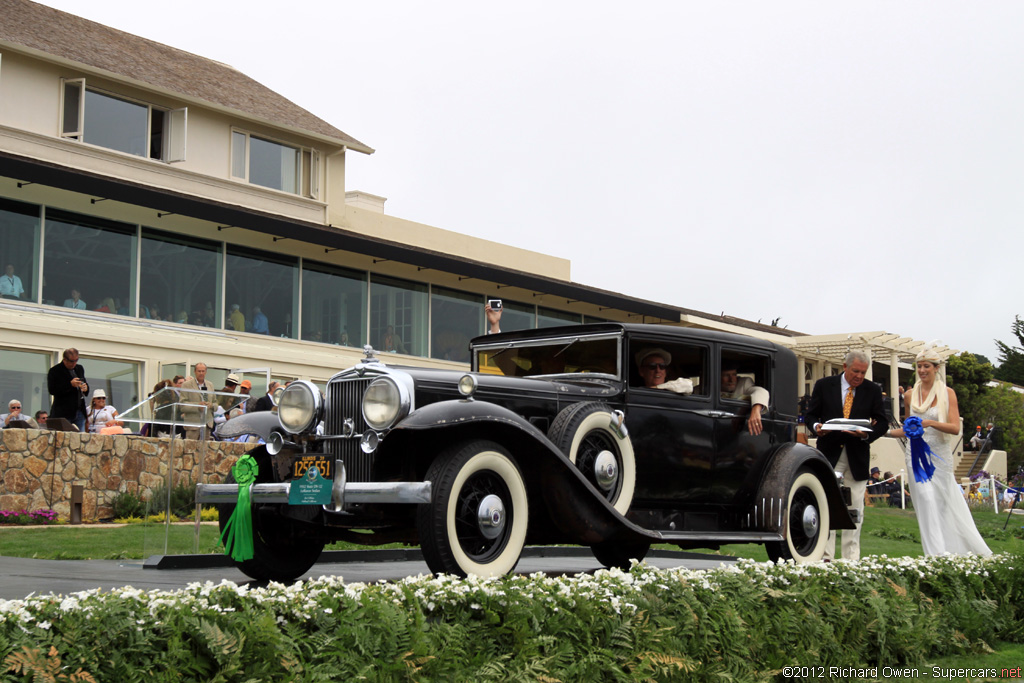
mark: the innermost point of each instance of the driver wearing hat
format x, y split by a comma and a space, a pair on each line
653, 363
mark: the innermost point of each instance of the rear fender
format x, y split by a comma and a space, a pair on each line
785, 463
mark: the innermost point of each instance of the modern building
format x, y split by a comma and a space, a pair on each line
158, 209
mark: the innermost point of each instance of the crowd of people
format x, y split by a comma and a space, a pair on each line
179, 400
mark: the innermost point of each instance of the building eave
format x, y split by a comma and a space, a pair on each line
330, 237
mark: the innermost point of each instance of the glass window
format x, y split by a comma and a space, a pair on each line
515, 316
270, 164
455, 318
549, 317
89, 263
261, 294
681, 361
116, 124
19, 244
333, 305
119, 379
595, 353
23, 376
238, 154
398, 316
742, 373
179, 278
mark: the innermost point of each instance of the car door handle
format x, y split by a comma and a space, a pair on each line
716, 413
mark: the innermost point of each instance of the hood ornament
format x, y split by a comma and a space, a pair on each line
369, 360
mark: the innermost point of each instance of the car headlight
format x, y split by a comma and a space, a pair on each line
382, 402
299, 407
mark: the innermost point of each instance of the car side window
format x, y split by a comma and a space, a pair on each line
681, 361
742, 373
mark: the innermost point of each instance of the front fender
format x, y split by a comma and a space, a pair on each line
574, 507
261, 423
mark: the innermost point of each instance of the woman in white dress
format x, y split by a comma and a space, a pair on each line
942, 513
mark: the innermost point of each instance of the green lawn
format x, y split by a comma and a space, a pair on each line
894, 532
888, 531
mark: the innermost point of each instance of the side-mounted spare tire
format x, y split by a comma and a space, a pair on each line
589, 436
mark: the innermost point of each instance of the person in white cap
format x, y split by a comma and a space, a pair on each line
230, 387
99, 414
14, 414
653, 364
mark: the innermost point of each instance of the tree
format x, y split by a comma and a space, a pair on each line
1011, 358
967, 375
1004, 407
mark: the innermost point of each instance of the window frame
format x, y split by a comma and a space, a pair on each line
307, 167
173, 145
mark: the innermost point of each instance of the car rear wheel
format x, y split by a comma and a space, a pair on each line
280, 553
807, 519
477, 518
604, 455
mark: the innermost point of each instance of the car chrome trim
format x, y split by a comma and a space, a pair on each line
376, 492
723, 536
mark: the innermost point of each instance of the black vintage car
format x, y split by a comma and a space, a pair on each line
551, 438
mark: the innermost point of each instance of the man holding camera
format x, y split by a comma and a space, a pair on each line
67, 385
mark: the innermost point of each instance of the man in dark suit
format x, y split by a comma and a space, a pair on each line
848, 395
265, 402
66, 384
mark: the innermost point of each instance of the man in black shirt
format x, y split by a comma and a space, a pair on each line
67, 385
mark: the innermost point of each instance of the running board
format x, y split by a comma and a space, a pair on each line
721, 536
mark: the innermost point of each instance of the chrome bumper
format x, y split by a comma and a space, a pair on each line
341, 492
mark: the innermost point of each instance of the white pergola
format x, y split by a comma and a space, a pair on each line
825, 353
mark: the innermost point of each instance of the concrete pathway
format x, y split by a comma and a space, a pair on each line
22, 577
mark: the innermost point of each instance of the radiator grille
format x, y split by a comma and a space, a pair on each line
345, 400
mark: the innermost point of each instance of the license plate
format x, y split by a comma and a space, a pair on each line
305, 462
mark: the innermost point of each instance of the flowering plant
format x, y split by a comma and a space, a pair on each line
40, 516
743, 622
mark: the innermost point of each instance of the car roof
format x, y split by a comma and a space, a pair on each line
632, 329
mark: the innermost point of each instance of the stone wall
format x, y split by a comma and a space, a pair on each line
38, 468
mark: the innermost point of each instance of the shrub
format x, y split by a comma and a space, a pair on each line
127, 505
183, 499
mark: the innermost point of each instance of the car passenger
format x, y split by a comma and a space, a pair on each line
736, 387
653, 363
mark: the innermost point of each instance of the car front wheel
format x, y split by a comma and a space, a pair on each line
477, 518
807, 519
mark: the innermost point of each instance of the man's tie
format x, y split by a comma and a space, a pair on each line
848, 403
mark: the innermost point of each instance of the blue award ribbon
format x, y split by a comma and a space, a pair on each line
920, 453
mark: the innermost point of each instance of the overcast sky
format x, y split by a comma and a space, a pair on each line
844, 167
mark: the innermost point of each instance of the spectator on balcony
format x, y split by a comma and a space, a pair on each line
66, 384
14, 414
41, 416
236, 319
75, 301
100, 415
260, 325
10, 284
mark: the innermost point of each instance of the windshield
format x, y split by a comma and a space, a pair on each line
551, 357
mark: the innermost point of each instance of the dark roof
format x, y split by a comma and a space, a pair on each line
73, 38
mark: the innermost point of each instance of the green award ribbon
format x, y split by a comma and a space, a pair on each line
237, 535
